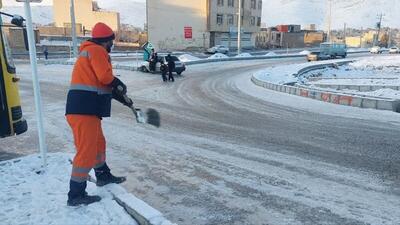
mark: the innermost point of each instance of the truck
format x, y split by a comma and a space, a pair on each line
328, 50
12, 121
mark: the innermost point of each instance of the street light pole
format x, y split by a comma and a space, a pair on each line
239, 27
35, 80
73, 30
330, 20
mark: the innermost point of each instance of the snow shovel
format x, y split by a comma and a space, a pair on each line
151, 116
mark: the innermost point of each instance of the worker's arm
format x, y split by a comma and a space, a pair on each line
102, 66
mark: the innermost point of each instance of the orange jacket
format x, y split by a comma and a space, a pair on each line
90, 91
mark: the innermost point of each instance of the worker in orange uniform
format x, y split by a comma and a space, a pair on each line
93, 85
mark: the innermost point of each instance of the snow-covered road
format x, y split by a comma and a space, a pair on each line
232, 153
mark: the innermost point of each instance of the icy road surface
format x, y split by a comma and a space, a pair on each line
229, 152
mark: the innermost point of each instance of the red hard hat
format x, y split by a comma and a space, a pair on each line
102, 31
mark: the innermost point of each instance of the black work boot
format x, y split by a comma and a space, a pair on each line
104, 177
78, 196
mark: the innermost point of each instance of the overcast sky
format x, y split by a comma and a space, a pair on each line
355, 13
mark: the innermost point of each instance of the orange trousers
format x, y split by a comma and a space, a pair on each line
90, 145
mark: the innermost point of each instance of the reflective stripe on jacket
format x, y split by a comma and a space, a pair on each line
90, 93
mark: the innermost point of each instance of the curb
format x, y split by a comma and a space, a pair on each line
143, 213
330, 96
358, 87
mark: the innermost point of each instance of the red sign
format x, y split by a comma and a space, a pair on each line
188, 33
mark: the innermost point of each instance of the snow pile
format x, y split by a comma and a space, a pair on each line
29, 196
305, 52
271, 54
385, 93
377, 62
286, 73
71, 60
188, 58
243, 55
218, 56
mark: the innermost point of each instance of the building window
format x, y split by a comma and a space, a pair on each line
253, 21
220, 19
230, 19
260, 4
243, 3
220, 2
253, 4
231, 3
259, 21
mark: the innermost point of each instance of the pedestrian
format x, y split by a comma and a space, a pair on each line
93, 85
171, 67
46, 53
164, 70
153, 61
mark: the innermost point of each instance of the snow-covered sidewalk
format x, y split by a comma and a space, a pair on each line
28, 196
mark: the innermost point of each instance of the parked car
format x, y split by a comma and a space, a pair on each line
218, 49
376, 50
394, 50
179, 66
316, 56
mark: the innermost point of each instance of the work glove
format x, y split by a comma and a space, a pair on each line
118, 86
122, 98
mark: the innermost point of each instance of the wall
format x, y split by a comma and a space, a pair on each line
85, 15
16, 37
59, 31
313, 38
168, 18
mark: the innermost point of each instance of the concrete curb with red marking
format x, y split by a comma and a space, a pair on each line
330, 96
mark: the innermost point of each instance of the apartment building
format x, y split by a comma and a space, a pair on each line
86, 17
199, 24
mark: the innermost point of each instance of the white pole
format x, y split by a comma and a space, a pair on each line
330, 21
36, 86
239, 27
73, 30
137, 59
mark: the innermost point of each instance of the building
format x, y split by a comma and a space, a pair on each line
310, 27
367, 39
86, 17
288, 36
199, 24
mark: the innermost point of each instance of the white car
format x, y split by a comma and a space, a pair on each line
179, 66
218, 49
376, 50
394, 50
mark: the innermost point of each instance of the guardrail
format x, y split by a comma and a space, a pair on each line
354, 100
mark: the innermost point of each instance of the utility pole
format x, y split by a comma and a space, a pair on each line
239, 46
330, 21
379, 25
73, 30
147, 20
361, 34
344, 33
